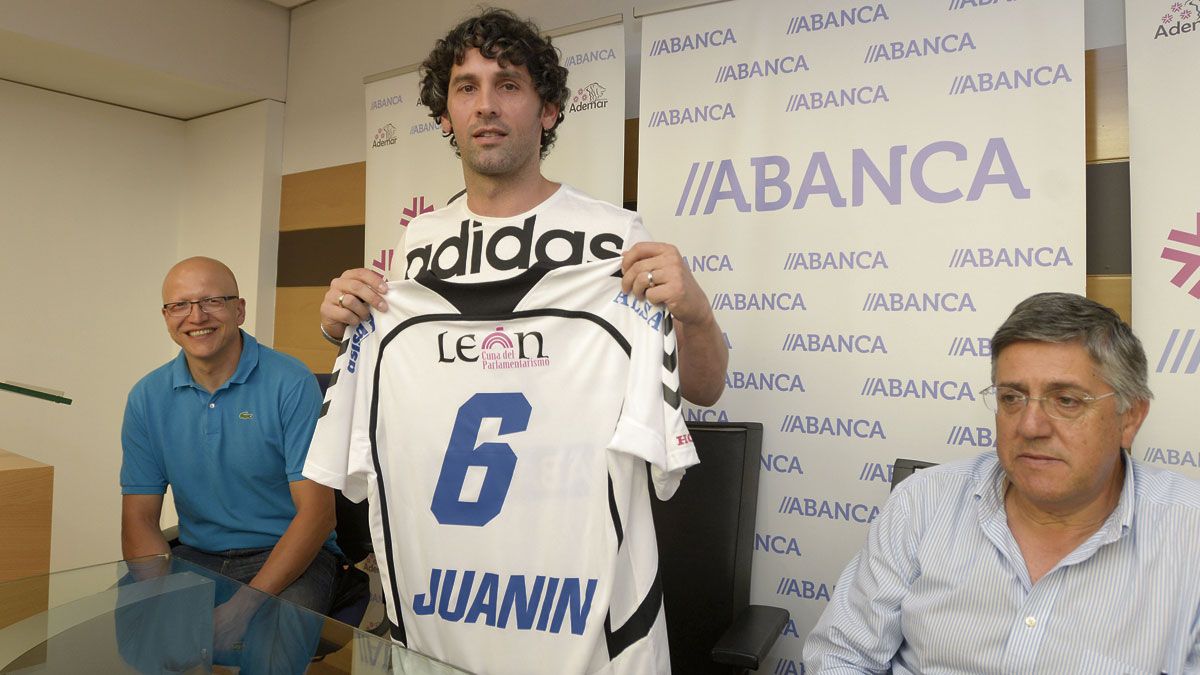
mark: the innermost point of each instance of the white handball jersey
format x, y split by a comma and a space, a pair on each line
501, 432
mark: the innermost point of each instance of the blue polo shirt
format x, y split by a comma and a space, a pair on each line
228, 455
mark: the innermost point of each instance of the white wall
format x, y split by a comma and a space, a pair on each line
231, 44
230, 202
89, 223
98, 202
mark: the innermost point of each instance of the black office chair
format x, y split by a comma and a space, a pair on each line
903, 468
705, 546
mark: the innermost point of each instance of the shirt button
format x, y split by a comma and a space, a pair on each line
212, 405
1030, 621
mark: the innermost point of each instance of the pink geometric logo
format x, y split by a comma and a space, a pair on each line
384, 262
497, 339
1182, 11
1188, 259
418, 207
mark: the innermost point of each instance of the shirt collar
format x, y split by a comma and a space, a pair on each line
991, 483
247, 362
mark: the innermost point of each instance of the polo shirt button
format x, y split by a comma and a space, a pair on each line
212, 405
1030, 621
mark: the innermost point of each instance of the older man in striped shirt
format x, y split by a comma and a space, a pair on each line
1055, 554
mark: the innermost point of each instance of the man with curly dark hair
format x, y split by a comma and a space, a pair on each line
498, 91
496, 87
500, 36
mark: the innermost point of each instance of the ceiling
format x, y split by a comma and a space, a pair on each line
66, 69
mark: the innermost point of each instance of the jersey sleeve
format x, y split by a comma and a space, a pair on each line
636, 233
651, 425
342, 426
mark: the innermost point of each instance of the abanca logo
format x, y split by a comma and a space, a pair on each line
1174, 356
1184, 17
1010, 80
384, 102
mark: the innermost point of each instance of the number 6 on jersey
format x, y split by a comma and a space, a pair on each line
497, 459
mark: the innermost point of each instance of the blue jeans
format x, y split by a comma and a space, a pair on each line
313, 589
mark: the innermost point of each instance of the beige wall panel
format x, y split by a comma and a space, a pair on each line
328, 197
1106, 92
297, 327
1112, 290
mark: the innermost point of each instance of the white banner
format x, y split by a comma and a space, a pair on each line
411, 167
1163, 48
864, 192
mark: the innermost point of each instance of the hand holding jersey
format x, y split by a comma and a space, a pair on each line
657, 273
349, 300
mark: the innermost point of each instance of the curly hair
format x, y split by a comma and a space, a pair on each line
501, 35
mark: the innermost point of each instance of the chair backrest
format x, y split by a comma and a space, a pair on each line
353, 520
903, 468
706, 541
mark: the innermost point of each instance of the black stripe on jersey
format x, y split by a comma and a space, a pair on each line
397, 632
332, 381
639, 623
616, 515
383, 506
670, 361
486, 296
668, 324
671, 396
345, 343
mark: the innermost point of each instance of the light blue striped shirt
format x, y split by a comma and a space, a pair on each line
941, 587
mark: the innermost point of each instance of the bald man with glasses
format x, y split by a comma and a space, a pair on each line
1056, 553
227, 424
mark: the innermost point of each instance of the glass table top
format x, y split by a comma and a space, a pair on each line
166, 615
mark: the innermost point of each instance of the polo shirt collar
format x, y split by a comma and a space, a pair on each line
247, 362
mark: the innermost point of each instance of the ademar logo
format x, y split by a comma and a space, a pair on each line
1183, 17
1188, 259
590, 97
385, 136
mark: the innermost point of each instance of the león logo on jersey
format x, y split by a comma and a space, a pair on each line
496, 351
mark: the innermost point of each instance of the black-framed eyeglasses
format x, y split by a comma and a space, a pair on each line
207, 305
1061, 403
